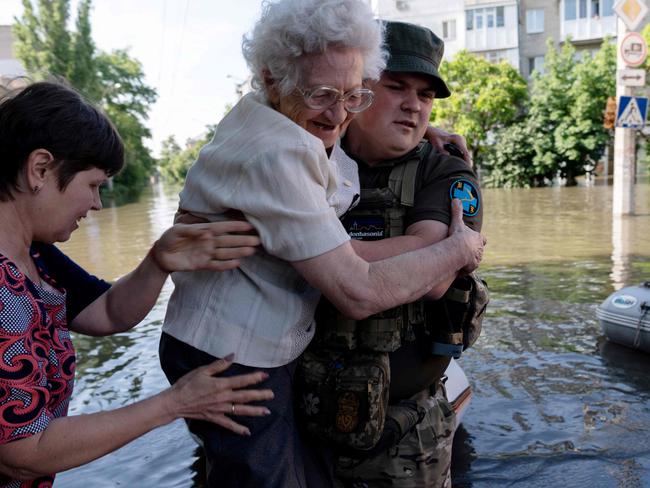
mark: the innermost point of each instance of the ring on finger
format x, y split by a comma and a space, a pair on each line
232, 409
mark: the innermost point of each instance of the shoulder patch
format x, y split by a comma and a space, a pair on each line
467, 193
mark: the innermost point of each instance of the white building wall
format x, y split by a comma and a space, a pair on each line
590, 20
484, 38
431, 14
10, 67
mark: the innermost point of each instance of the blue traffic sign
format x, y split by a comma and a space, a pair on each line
632, 112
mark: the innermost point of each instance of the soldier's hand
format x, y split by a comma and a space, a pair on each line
470, 242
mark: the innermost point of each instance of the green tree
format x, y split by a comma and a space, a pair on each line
114, 81
83, 72
562, 133
126, 99
508, 163
646, 35
485, 97
566, 110
174, 162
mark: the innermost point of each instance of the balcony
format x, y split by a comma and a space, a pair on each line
587, 20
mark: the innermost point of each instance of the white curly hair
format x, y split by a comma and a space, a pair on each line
289, 29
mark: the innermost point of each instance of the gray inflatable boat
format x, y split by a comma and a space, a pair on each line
625, 316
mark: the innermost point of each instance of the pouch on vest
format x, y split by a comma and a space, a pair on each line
459, 316
381, 332
343, 396
333, 330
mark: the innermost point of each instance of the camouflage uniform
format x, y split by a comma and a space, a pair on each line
343, 403
421, 459
423, 456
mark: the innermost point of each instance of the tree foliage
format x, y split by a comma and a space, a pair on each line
174, 161
485, 97
562, 133
646, 35
508, 165
114, 81
566, 111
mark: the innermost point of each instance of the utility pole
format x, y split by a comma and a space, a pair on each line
624, 144
630, 14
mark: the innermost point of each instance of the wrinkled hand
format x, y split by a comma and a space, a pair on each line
472, 242
203, 396
216, 246
438, 138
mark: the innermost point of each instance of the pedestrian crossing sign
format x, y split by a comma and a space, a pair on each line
632, 112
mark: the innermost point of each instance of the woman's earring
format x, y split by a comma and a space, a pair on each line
36, 189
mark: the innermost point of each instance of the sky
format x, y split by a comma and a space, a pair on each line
190, 51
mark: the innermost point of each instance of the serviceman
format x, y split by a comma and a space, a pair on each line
353, 369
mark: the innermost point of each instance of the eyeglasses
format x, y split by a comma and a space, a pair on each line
322, 97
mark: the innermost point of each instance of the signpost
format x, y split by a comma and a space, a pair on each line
631, 12
632, 111
634, 49
630, 77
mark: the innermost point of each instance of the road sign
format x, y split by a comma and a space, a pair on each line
630, 77
631, 12
632, 112
634, 49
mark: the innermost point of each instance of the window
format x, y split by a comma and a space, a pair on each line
595, 8
535, 64
488, 17
583, 9
449, 30
569, 9
534, 21
608, 8
500, 17
495, 56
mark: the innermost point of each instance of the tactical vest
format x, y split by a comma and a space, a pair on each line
379, 215
343, 378
443, 327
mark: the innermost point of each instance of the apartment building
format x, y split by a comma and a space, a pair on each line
511, 30
444, 17
539, 21
492, 30
10, 67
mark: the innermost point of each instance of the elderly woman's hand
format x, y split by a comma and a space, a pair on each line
203, 396
216, 246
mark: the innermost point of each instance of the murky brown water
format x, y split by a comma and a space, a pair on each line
553, 403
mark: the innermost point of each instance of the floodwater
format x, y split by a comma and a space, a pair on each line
554, 404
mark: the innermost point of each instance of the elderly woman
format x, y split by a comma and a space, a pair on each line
56, 152
275, 158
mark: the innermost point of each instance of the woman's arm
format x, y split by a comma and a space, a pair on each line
181, 248
417, 236
359, 288
72, 441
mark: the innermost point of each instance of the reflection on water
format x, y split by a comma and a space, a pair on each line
554, 403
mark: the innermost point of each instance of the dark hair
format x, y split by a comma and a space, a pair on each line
54, 117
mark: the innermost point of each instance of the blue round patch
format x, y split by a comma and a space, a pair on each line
467, 193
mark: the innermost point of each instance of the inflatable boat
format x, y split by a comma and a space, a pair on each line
625, 317
459, 392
